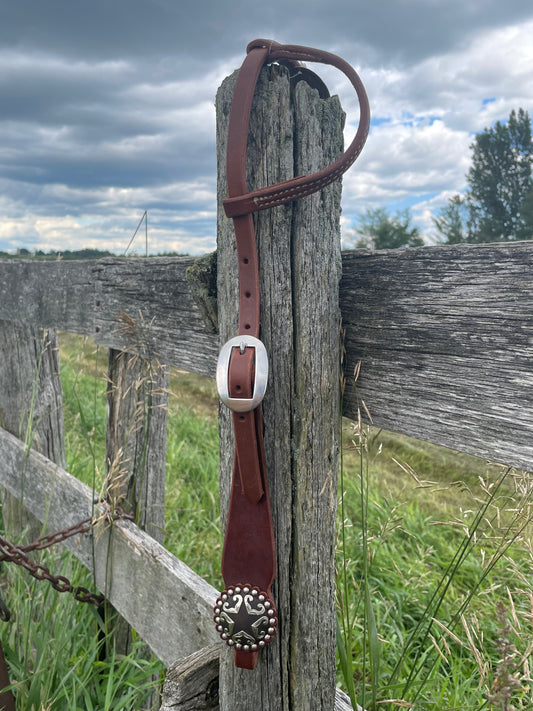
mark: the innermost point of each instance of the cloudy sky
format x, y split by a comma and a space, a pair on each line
107, 106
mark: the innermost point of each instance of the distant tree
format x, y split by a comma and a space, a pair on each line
379, 230
86, 253
456, 221
500, 176
526, 212
497, 206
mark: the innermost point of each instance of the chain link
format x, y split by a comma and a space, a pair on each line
19, 555
58, 537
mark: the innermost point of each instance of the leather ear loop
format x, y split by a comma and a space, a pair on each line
242, 202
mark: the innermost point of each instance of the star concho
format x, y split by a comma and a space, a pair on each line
245, 617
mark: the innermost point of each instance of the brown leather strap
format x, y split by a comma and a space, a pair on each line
241, 202
245, 615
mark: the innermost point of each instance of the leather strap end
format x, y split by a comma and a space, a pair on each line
245, 660
262, 44
238, 206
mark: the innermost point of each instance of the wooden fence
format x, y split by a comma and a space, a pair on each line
444, 335
444, 339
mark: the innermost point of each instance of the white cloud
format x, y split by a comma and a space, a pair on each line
495, 64
402, 160
427, 115
92, 134
69, 233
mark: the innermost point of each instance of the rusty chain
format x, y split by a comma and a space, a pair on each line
58, 537
19, 555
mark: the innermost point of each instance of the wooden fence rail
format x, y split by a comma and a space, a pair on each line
445, 338
444, 334
149, 586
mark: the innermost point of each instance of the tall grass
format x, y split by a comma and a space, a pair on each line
434, 563
55, 649
192, 513
59, 653
433, 573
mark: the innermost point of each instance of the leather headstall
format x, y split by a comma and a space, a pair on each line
245, 615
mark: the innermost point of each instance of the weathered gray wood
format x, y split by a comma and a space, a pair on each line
155, 294
191, 683
445, 340
137, 416
168, 604
343, 703
31, 406
444, 333
90, 296
136, 438
48, 294
299, 255
202, 280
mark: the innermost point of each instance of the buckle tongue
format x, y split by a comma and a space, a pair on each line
241, 404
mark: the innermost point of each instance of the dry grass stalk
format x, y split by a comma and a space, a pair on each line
507, 678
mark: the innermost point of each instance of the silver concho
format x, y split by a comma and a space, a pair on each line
245, 617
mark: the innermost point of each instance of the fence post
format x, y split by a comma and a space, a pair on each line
137, 414
137, 409
292, 132
31, 405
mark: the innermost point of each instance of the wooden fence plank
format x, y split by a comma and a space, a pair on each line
117, 301
48, 294
154, 294
136, 453
136, 438
31, 407
168, 604
192, 684
445, 340
444, 334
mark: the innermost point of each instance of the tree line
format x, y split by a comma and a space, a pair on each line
86, 253
497, 205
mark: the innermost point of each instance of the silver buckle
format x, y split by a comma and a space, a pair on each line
241, 404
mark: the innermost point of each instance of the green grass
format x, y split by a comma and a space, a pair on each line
55, 649
192, 514
193, 531
419, 627
425, 570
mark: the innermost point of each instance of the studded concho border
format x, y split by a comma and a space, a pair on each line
245, 617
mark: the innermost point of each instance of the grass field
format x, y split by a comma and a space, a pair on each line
435, 593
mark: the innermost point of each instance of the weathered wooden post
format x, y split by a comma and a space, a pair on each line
31, 405
136, 445
137, 414
292, 132
137, 408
